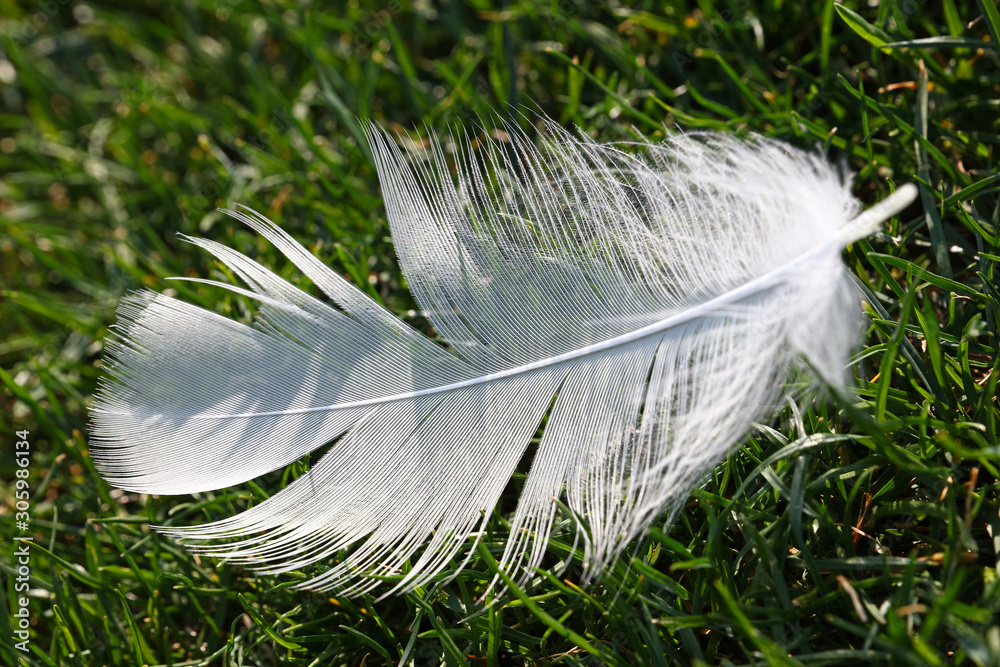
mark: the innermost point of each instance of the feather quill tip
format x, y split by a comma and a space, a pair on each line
870, 220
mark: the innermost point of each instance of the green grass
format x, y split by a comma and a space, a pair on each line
864, 532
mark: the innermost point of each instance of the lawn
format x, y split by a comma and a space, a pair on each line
860, 530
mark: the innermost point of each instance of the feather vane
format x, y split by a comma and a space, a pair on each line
646, 304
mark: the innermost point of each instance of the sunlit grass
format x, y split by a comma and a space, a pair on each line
866, 532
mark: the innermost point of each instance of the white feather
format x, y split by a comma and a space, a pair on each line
649, 300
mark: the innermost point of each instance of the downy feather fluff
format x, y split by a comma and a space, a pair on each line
645, 302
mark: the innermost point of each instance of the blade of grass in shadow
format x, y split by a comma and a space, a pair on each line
542, 615
907, 347
262, 623
991, 17
934, 224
